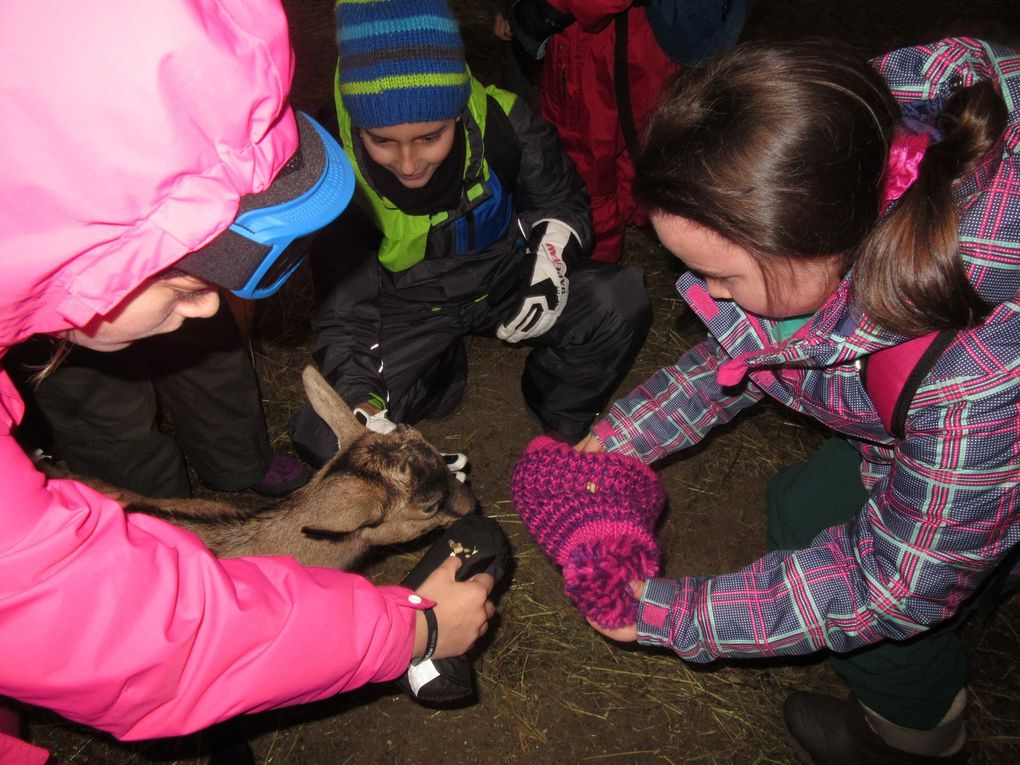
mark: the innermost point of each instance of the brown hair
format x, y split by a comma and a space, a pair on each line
61, 348
782, 148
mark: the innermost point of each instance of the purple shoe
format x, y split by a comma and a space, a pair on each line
284, 475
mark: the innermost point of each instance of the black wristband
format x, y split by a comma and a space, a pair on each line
432, 636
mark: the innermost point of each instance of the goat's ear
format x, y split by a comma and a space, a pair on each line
331, 408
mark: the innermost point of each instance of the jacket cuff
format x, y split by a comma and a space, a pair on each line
615, 438
604, 431
656, 618
403, 596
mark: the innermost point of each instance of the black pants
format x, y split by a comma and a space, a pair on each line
103, 408
569, 375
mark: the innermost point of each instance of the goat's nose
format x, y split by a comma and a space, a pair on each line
462, 500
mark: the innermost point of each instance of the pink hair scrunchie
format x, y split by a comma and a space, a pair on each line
902, 164
593, 515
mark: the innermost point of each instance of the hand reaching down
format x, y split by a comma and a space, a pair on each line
462, 610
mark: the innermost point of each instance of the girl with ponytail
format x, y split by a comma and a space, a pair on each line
829, 210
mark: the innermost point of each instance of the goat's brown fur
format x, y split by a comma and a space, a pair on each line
376, 490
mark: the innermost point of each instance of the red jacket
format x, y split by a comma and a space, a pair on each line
578, 96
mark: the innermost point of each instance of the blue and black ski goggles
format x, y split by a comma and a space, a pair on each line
268, 240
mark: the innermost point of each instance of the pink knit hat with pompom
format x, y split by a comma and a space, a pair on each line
593, 515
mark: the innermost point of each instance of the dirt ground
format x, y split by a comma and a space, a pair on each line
549, 688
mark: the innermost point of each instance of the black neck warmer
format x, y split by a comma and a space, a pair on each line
442, 192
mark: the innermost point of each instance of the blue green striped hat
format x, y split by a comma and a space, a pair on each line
400, 61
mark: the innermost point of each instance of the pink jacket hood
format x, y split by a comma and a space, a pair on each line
114, 170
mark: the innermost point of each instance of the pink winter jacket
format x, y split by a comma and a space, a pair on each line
130, 131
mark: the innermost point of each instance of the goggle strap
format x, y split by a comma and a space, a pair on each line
221, 256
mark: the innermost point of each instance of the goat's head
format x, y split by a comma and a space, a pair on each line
382, 489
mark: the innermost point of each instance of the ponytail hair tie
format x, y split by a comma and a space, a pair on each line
901, 169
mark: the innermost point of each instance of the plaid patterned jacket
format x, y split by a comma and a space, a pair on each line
944, 504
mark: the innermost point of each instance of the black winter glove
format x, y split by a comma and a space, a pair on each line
533, 22
481, 544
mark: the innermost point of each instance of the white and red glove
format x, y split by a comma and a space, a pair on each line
550, 243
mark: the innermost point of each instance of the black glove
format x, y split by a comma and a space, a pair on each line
533, 22
482, 545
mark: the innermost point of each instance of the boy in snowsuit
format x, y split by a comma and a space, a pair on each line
475, 223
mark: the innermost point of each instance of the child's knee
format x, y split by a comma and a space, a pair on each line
618, 295
785, 529
811, 496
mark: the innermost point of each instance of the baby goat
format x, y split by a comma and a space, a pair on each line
376, 490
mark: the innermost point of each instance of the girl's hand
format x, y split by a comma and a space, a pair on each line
589, 444
501, 28
462, 609
627, 633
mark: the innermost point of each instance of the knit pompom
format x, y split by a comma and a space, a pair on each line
598, 575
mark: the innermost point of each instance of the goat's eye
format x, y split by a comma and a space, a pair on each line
433, 508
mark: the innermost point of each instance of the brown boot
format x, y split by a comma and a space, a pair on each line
829, 731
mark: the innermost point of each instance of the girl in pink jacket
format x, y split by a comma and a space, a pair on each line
131, 133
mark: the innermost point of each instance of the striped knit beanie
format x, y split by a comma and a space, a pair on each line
400, 61
593, 515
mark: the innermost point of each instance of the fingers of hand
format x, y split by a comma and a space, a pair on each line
534, 318
451, 565
489, 610
625, 634
484, 584
485, 580
589, 444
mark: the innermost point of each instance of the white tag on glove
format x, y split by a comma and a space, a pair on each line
546, 296
420, 673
